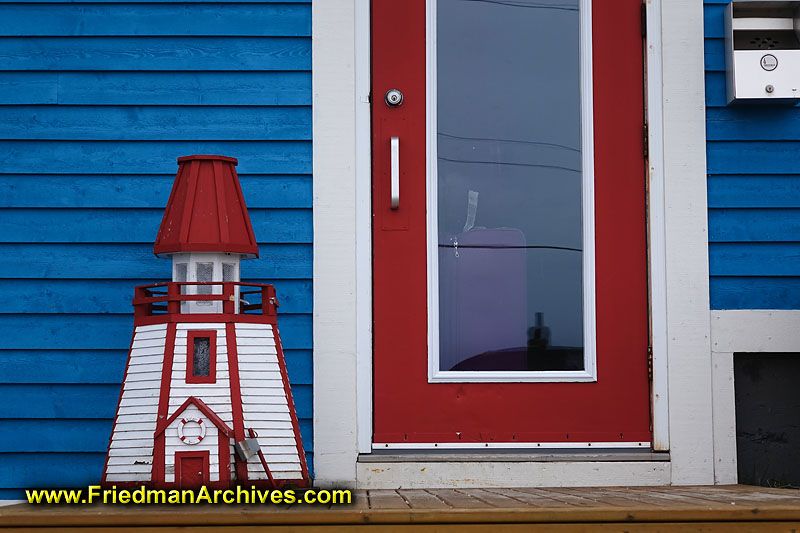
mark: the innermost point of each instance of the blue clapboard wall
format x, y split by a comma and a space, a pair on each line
97, 101
753, 191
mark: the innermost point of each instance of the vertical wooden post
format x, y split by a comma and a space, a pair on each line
228, 294
173, 305
269, 301
140, 309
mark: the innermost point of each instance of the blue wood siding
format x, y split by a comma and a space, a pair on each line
97, 100
753, 191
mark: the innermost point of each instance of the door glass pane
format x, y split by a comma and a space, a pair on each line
509, 185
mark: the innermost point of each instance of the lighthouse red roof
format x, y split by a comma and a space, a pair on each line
206, 210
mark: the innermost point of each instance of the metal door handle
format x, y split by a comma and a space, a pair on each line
395, 163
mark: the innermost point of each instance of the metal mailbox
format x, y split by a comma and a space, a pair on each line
762, 51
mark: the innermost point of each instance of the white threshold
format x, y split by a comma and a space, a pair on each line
502, 445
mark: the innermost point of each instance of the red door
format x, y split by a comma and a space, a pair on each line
192, 469
484, 254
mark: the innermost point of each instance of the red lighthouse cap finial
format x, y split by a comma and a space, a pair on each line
206, 210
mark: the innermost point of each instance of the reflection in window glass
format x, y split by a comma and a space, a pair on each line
509, 185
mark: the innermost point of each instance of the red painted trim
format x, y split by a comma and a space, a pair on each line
224, 443
251, 432
159, 458
222, 209
163, 403
208, 158
212, 365
205, 409
116, 414
236, 397
290, 401
198, 454
163, 226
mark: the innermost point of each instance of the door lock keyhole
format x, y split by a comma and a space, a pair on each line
393, 98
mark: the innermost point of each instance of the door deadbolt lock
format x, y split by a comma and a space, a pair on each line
393, 98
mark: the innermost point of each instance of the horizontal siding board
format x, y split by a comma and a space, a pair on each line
127, 191
738, 157
762, 123
713, 20
155, 53
135, 19
753, 225
109, 332
92, 296
149, 157
755, 292
136, 261
754, 259
103, 366
51, 470
754, 191
715, 89
134, 225
38, 88
162, 123
177, 88
715, 55
90, 401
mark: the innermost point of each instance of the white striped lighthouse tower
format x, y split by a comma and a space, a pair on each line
205, 370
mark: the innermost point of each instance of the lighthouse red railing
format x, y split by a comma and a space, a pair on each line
165, 298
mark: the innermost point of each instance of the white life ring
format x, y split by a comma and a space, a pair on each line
192, 440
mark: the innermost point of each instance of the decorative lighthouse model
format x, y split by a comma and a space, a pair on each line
205, 399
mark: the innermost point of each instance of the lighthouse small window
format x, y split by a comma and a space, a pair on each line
205, 273
201, 357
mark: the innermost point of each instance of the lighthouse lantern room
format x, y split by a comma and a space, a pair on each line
205, 399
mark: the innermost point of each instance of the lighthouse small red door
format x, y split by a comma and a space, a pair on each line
509, 244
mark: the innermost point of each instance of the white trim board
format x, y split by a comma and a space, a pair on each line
589, 374
418, 474
742, 331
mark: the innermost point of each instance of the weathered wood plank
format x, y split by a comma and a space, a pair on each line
97, 19
156, 53
386, 499
150, 157
155, 123
492, 498
35, 225
419, 499
127, 191
457, 499
547, 498
136, 261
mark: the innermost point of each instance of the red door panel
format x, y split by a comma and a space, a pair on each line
407, 408
191, 469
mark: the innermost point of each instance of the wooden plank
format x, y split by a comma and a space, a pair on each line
713, 20
150, 157
546, 498
21, 88
420, 499
235, 19
752, 124
109, 331
62, 366
753, 191
151, 123
127, 191
755, 292
134, 225
92, 401
51, 469
754, 259
386, 499
753, 225
714, 53
156, 53
64, 435
757, 157
715, 89
457, 499
492, 498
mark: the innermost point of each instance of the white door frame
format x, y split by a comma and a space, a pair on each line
342, 240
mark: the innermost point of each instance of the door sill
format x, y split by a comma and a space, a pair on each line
515, 455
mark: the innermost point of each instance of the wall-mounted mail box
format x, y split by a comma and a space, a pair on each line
762, 51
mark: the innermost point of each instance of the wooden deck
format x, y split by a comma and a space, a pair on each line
706, 509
